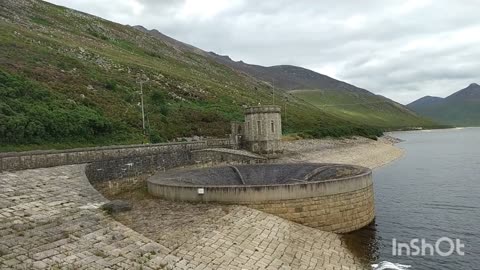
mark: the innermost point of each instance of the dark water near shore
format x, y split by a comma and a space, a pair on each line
432, 192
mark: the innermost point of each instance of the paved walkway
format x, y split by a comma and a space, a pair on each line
49, 219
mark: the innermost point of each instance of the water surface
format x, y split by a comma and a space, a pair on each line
432, 192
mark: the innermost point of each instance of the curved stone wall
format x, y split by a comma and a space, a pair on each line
339, 205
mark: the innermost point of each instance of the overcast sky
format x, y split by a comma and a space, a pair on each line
400, 49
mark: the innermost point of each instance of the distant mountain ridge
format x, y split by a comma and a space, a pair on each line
285, 77
320, 91
461, 108
425, 101
170, 41
472, 92
288, 77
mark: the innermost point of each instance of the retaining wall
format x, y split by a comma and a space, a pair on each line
340, 205
40, 159
113, 176
218, 156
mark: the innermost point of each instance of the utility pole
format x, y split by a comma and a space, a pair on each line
273, 91
141, 79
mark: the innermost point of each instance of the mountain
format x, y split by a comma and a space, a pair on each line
330, 95
460, 109
288, 77
317, 90
425, 101
471, 93
71, 79
361, 107
178, 45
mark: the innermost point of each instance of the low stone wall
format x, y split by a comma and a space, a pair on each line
339, 205
220, 156
113, 176
117, 175
41, 159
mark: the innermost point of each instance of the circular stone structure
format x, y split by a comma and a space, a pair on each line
331, 197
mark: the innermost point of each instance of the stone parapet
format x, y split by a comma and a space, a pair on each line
41, 159
262, 109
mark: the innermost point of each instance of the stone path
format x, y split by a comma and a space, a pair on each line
49, 219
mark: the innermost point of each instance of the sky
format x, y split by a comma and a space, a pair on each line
402, 49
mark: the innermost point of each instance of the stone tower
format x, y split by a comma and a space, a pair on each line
262, 129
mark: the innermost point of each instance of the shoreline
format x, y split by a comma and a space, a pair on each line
355, 151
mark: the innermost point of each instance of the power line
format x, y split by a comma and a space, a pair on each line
273, 90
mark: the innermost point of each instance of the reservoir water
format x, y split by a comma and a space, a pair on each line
430, 193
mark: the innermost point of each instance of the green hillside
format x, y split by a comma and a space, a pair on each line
69, 79
362, 108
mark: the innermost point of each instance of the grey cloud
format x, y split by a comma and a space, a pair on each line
400, 49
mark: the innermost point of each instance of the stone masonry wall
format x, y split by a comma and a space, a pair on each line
52, 158
341, 205
263, 129
222, 156
114, 176
340, 213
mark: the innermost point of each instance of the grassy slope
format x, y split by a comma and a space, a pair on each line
362, 108
460, 114
86, 68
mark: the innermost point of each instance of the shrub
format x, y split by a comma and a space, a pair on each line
111, 85
30, 114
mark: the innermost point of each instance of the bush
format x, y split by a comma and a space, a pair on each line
30, 114
111, 85
155, 137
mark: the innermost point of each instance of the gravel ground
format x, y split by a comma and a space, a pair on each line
355, 151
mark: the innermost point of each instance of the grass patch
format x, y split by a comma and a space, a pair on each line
41, 21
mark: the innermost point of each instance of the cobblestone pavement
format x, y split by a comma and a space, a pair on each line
234, 237
49, 219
